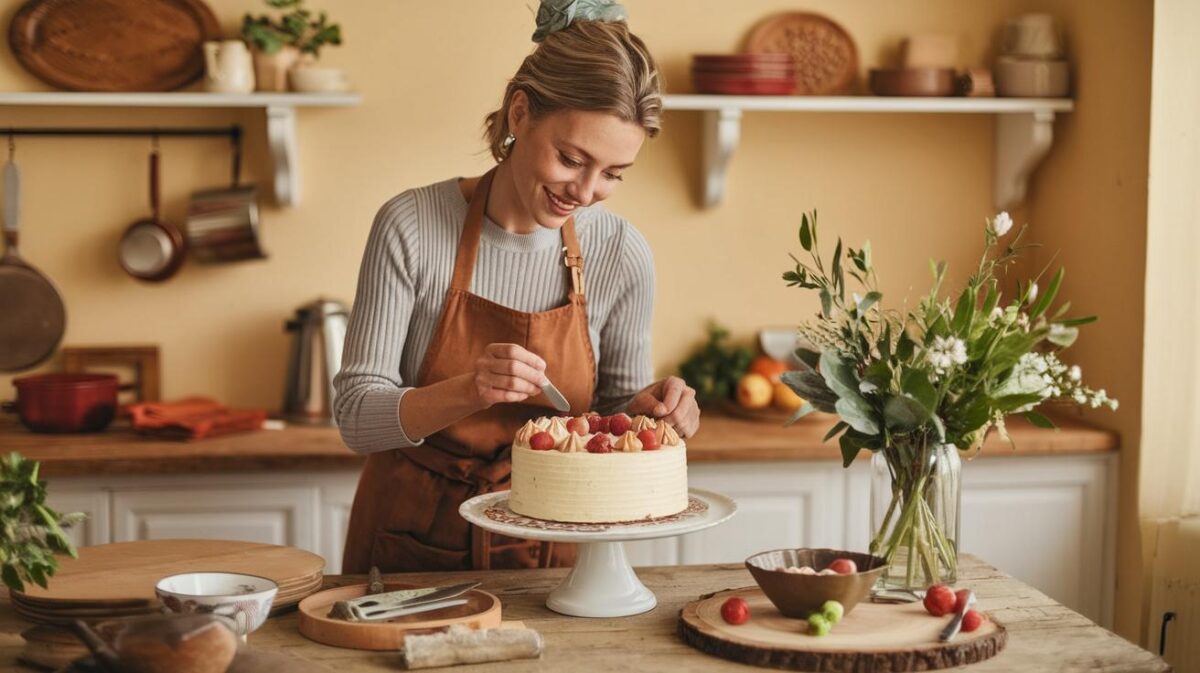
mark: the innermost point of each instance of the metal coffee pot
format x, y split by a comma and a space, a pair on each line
319, 330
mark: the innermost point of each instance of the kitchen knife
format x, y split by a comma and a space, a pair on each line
556, 398
955, 624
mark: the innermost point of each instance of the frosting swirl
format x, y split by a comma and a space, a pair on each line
628, 443
666, 434
558, 430
526, 432
574, 444
642, 423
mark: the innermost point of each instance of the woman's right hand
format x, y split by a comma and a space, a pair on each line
508, 373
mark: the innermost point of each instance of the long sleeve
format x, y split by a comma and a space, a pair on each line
369, 386
624, 366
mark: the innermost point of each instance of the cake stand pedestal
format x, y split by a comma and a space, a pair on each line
602, 583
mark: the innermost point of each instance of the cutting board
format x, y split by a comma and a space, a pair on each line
872, 637
126, 572
482, 611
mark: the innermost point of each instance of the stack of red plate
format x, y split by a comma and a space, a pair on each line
744, 74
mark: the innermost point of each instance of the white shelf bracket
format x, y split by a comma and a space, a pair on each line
281, 134
1022, 141
722, 130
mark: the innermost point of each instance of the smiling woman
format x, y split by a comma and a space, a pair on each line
472, 298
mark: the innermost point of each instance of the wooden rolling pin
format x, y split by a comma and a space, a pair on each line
464, 645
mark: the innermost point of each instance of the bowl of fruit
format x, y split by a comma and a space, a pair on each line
799, 581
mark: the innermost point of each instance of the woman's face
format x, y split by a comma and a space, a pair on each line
568, 159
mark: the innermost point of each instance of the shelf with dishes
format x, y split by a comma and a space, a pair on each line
1024, 129
279, 109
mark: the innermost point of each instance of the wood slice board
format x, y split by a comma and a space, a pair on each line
127, 571
113, 45
872, 637
248, 660
825, 55
482, 611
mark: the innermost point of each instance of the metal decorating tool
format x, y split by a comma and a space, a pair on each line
381, 607
556, 398
955, 624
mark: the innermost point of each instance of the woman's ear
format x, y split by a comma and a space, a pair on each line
518, 113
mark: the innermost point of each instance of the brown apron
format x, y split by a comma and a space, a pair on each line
405, 515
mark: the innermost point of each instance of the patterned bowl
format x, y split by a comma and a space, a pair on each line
797, 595
245, 599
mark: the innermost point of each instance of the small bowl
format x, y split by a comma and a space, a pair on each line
1032, 78
245, 599
912, 81
797, 595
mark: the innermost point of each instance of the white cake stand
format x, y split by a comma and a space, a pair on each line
602, 583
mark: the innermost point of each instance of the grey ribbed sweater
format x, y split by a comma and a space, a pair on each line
402, 284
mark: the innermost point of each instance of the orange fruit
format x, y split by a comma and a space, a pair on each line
769, 367
786, 398
754, 391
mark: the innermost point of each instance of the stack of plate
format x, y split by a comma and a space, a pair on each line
117, 580
744, 74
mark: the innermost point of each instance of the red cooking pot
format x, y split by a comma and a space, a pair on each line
62, 402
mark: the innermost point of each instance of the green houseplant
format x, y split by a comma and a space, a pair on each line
917, 387
279, 43
32, 533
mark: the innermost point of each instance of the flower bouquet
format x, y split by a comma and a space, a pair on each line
918, 386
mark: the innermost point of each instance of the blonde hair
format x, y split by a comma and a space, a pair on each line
591, 65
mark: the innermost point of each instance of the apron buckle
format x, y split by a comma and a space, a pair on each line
575, 263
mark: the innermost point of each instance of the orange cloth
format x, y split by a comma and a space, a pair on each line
192, 418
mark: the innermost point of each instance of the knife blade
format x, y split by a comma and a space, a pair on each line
556, 398
955, 624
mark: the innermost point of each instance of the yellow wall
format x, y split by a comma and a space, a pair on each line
917, 185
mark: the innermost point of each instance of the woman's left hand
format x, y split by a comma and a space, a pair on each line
671, 400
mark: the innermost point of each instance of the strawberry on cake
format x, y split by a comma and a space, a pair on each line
598, 469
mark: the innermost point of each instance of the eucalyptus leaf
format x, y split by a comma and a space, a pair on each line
857, 414
1039, 420
901, 412
804, 410
805, 233
835, 430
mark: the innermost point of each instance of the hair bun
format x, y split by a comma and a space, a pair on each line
555, 15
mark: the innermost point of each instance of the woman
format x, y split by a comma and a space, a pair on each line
472, 295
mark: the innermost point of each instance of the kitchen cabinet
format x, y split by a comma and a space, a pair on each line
1062, 506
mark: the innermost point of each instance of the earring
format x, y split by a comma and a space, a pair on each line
507, 143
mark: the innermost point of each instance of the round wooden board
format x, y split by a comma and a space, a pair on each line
872, 637
482, 611
125, 572
113, 45
825, 55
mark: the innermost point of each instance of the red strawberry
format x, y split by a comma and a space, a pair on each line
649, 440
619, 424
940, 600
735, 610
542, 441
597, 423
599, 444
578, 425
971, 621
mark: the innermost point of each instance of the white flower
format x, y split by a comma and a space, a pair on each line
1075, 373
857, 299
1001, 223
1033, 292
997, 314
945, 352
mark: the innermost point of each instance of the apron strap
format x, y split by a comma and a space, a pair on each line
468, 243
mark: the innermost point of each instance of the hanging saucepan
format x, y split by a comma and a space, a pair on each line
32, 318
222, 224
152, 249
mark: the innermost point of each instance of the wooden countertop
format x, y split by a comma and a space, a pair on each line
1043, 634
721, 438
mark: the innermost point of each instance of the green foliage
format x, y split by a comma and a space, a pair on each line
296, 28
30, 532
946, 370
715, 368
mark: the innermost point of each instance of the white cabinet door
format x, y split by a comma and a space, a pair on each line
92, 502
253, 513
1044, 520
337, 496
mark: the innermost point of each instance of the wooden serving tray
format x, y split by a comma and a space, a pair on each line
872, 637
482, 611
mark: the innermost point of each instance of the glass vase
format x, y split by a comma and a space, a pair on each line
916, 500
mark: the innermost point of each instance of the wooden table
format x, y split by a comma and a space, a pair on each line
1043, 635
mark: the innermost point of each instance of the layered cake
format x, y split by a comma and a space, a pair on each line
598, 469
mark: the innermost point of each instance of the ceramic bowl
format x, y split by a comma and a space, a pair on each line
315, 79
912, 81
197, 643
1032, 78
797, 595
245, 599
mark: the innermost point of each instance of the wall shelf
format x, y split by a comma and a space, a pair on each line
1024, 130
279, 108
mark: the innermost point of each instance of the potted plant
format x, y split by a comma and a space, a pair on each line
280, 43
30, 532
918, 386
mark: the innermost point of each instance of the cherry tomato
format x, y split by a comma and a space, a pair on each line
735, 611
940, 600
971, 621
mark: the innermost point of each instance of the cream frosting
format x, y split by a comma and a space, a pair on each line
665, 432
627, 443
642, 423
575, 444
526, 432
558, 430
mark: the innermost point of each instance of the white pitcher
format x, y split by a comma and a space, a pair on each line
229, 68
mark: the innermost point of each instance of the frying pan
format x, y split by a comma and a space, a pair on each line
32, 317
151, 248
